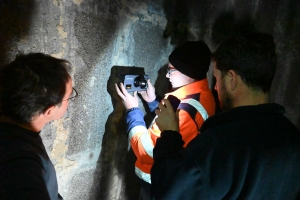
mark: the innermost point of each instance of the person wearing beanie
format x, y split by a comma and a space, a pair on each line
191, 97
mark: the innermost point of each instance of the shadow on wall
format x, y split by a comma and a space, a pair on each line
162, 84
290, 51
177, 21
226, 26
15, 20
115, 153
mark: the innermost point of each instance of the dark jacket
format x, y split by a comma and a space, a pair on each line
26, 171
249, 152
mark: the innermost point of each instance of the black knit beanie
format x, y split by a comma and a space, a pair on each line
192, 59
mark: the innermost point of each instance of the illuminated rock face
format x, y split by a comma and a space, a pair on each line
89, 145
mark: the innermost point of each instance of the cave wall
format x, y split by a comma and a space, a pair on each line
104, 38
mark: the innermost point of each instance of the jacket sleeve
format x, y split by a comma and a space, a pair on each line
153, 105
138, 135
134, 117
173, 172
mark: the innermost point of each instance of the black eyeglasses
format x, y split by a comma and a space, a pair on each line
169, 71
73, 95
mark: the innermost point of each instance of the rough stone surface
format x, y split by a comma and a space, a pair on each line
89, 146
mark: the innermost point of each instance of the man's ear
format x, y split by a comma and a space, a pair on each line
233, 79
49, 112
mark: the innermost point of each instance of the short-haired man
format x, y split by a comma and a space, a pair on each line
34, 90
250, 151
188, 66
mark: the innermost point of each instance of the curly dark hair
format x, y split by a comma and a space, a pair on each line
250, 55
30, 84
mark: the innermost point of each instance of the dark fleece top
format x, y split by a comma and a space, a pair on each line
26, 171
249, 152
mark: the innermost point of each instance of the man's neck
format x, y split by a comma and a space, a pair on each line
32, 126
251, 98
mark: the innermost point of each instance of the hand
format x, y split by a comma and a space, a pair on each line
166, 119
128, 100
149, 94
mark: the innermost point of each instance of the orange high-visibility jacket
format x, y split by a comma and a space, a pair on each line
196, 105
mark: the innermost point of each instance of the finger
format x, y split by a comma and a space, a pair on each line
135, 94
124, 91
119, 92
144, 94
149, 83
167, 103
161, 106
157, 111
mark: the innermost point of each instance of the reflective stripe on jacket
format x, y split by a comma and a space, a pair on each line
196, 105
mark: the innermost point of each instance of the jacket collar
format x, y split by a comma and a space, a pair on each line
192, 88
242, 112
